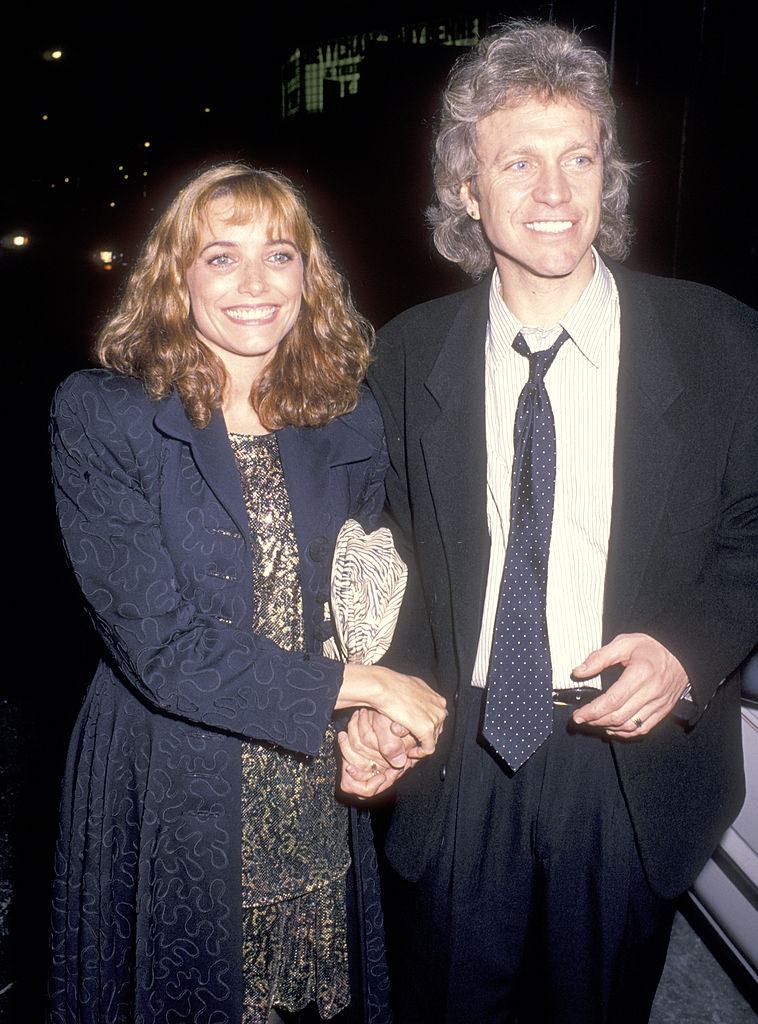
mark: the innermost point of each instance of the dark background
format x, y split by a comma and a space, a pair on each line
680, 76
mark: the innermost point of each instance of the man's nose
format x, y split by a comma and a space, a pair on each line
552, 187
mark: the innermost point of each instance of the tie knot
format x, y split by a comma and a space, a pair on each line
541, 361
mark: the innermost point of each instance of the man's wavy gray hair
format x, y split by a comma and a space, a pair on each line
521, 60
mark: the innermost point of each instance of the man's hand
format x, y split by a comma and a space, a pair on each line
652, 682
375, 752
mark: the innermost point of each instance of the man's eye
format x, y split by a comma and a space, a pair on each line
519, 165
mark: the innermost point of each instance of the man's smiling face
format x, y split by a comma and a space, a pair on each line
538, 189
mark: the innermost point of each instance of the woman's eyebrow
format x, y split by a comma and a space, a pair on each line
218, 241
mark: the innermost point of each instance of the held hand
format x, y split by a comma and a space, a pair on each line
405, 700
361, 777
379, 740
375, 753
652, 682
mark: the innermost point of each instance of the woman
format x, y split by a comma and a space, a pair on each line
201, 479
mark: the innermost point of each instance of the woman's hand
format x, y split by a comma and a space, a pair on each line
405, 700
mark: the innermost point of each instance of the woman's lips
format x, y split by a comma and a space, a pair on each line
252, 314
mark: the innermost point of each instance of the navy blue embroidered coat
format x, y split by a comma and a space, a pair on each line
147, 904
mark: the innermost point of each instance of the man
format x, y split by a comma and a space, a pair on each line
574, 461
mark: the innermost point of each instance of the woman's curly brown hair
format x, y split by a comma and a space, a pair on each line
315, 373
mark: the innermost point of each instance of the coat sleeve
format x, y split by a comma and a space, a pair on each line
183, 662
712, 624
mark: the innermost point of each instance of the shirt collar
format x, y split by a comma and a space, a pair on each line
503, 326
586, 321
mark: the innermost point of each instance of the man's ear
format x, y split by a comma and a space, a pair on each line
469, 200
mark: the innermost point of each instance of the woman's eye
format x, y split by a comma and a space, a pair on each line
222, 260
281, 257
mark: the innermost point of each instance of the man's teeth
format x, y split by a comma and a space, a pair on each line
551, 227
251, 315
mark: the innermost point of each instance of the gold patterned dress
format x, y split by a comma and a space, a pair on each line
294, 833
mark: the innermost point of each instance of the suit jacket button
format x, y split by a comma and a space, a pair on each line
443, 772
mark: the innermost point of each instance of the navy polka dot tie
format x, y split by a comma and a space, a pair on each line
518, 715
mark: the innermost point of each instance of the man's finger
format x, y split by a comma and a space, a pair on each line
378, 733
364, 742
614, 652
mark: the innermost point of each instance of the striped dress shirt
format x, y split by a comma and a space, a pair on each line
582, 384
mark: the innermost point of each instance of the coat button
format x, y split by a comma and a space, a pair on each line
318, 548
443, 772
323, 631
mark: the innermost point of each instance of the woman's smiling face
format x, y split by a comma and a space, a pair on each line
245, 290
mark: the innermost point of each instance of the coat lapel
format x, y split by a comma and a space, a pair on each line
212, 453
454, 445
308, 455
646, 450
304, 456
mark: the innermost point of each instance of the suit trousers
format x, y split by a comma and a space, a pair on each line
535, 908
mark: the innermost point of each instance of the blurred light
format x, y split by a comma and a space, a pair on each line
67, 180
206, 110
120, 167
146, 145
44, 117
54, 53
111, 204
16, 240
126, 177
106, 259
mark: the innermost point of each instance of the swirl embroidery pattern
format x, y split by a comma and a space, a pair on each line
146, 909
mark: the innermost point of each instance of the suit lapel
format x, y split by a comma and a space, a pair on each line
646, 450
454, 445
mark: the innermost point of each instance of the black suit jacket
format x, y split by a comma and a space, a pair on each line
682, 556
